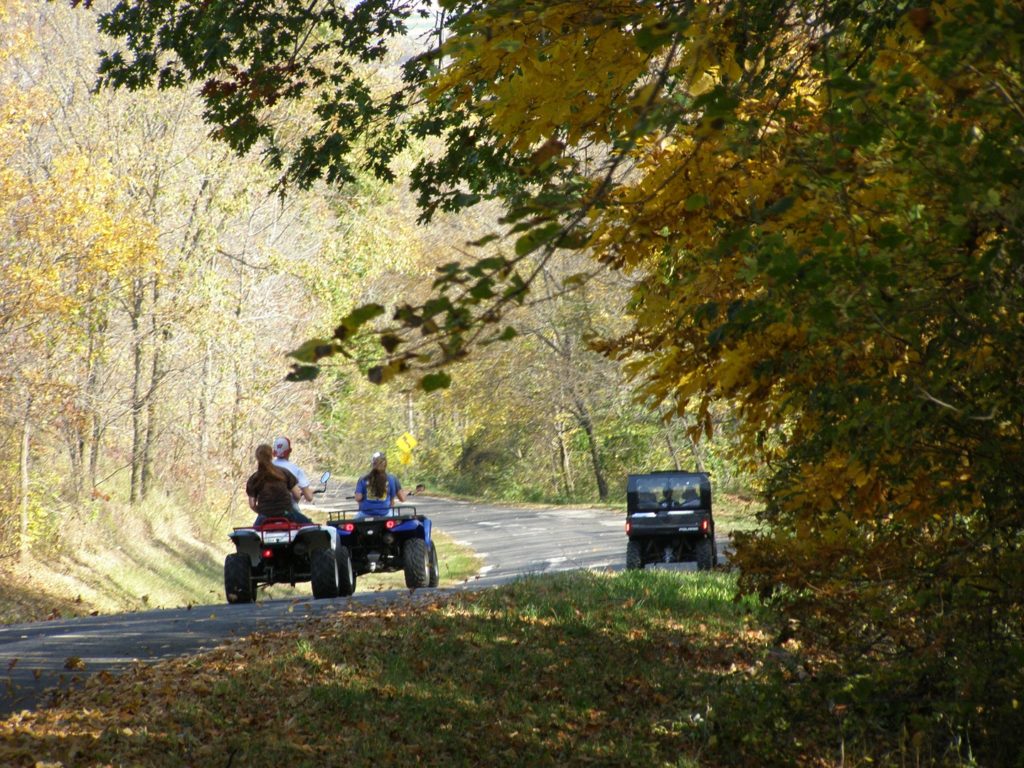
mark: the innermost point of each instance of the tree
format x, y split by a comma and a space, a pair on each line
825, 199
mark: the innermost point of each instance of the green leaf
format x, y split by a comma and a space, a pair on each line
484, 240
303, 373
313, 350
780, 206
650, 38
390, 342
695, 202
361, 315
535, 238
482, 289
436, 306
435, 381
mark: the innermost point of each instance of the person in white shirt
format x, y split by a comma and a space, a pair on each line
282, 451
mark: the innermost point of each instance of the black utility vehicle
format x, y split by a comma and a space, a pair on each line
668, 519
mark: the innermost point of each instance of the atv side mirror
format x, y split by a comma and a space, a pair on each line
420, 488
324, 478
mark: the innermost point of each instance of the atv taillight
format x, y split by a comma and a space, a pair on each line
704, 525
267, 554
629, 527
389, 524
349, 527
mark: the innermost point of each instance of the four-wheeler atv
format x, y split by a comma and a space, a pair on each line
397, 541
280, 551
668, 519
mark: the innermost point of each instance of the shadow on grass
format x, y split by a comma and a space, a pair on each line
573, 670
22, 601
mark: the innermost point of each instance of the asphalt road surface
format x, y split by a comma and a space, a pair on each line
513, 542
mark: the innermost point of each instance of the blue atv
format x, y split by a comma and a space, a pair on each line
397, 541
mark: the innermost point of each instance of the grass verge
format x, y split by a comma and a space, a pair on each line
566, 670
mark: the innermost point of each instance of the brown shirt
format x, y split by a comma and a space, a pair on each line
273, 497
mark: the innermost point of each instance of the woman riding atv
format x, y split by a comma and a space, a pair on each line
376, 492
273, 490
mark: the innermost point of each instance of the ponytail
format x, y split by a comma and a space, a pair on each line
265, 468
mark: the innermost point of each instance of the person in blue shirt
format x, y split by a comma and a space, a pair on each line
377, 491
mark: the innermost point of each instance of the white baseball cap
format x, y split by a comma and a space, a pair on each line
282, 446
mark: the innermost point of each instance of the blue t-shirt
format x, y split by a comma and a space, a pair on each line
372, 505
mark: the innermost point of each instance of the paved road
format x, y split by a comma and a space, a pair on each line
512, 542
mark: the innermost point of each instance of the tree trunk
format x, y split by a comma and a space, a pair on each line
565, 465
75, 437
155, 375
204, 417
585, 421
672, 450
26, 432
138, 428
698, 459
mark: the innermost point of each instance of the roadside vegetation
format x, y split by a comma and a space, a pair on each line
659, 668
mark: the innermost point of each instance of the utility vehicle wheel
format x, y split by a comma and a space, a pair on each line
238, 584
435, 571
323, 571
346, 575
705, 550
416, 559
634, 556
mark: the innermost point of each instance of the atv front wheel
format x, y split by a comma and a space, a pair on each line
416, 559
435, 571
705, 554
346, 574
324, 574
634, 556
238, 579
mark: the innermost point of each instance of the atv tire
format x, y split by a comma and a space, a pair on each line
416, 559
705, 550
634, 556
435, 571
238, 586
346, 574
323, 573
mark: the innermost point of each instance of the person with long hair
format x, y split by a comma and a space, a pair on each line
273, 490
377, 491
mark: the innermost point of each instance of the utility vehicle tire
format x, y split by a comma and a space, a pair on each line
238, 584
634, 556
416, 559
435, 571
705, 550
323, 571
346, 574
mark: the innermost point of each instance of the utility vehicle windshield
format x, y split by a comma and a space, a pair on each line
667, 492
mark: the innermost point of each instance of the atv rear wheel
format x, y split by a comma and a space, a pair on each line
323, 573
705, 550
346, 574
435, 571
238, 586
634, 556
416, 559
